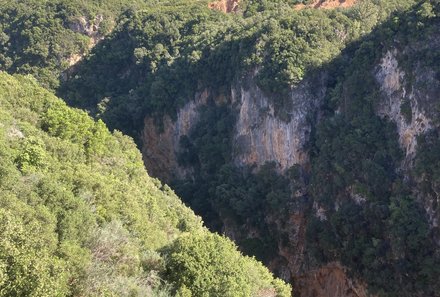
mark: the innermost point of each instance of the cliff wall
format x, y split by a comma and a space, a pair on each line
407, 97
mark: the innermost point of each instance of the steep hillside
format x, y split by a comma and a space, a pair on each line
295, 158
310, 137
80, 216
47, 38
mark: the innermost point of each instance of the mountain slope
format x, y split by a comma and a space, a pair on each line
285, 139
81, 217
308, 137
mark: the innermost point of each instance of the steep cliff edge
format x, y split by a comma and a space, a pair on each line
259, 136
353, 193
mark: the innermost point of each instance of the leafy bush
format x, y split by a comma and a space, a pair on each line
210, 265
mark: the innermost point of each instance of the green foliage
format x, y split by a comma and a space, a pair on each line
373, 223
427, 170
220, 190
36, 40
105, 219
160, 52
41, 37
79, 216
158, 58
28, 264
210, 265
33, 155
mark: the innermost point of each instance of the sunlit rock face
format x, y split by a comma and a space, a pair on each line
410, 97
261, 136
391, 79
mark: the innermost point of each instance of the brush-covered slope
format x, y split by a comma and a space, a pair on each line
79, 215
293, 132
308, 136
47, 37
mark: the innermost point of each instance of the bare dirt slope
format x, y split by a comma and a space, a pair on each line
227, 6
327, 4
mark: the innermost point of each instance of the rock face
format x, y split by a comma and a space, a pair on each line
226, 6
420, 97
161, 146
260, 136
89, 28
392, 83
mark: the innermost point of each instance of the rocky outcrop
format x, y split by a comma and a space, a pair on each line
391, 79
89, 28
161, 142
226, 6
260, 136
327, 4
410, 102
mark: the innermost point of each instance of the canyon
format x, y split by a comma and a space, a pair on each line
260, 136
308, 134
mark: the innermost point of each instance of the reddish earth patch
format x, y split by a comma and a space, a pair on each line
330, 280
327, 4
226, 6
